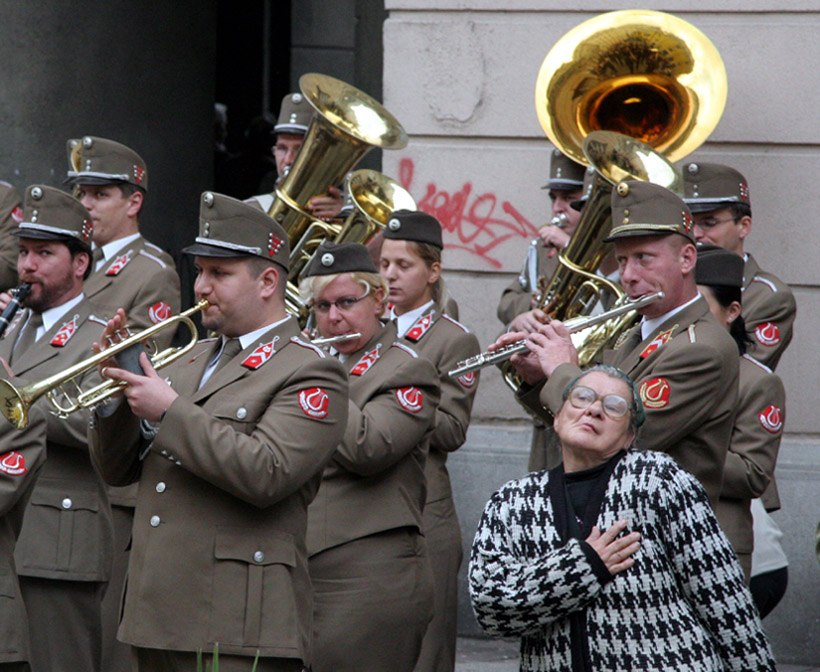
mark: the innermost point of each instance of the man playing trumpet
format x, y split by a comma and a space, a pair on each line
64, 552
229, 451
683, 362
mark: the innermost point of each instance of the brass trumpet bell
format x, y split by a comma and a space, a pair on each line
642, 73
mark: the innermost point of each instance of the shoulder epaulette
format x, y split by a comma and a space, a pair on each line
310, 346
691, 330
98, 320
148, 243
406, 348
5, 184
456, 322
766, 282
760, 364
153, 258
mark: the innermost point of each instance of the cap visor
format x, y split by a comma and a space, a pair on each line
645, 232
203, 250
288, 128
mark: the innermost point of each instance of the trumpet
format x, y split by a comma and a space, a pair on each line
574, 325
15, 403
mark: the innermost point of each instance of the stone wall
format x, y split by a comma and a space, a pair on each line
460, 75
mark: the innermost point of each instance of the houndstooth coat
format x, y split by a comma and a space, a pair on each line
682, 606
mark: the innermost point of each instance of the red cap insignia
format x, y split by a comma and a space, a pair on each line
420, 328
410, 398
65, 333
17, 214
467, 380
687, 221
274, 243
657, 342
139, 174
368, 360
655, 392
119, 263
771, 419
13, 463
768, 334
261, 355
314, 402
744, 191
88, 229
159, 312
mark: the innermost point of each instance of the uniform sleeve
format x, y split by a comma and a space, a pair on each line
392, 422
9, 200
756, 439
457, 394
514, 301
115, 444
779, 309
710, 576
288, 445
22, 454
513, 595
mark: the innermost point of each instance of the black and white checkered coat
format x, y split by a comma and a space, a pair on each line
683, 605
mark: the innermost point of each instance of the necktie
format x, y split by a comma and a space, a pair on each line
230, 350
29, 334
97, 257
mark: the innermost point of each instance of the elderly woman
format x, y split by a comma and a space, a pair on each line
373, 592
613, 560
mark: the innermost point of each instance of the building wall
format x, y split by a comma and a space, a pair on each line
460, 75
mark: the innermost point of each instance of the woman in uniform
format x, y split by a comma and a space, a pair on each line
758, 429
410, 262
373, 592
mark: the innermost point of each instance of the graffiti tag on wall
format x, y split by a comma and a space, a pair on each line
479, 222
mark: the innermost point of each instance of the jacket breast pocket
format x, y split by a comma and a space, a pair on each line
240, 413
64, 532
253, 601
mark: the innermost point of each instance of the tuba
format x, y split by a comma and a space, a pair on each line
347, 124
628, 93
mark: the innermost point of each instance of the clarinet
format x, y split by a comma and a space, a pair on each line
18, 295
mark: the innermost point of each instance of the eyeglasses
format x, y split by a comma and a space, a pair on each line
344, 304
712, 223
614, 405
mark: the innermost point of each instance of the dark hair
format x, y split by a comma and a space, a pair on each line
257, 265
126, 189
725, 295
431, 254
740, 210
637, 411
76, 247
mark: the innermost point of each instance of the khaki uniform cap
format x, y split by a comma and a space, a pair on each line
52, 214
414, 225
231, 228
331, 259
565, 174
711, 186
295, 115
646, 209
99, 161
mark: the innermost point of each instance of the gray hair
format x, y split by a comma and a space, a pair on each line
637, 414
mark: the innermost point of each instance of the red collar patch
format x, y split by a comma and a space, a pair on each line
658, 341
366, 362
119, 263
410, 398
314, 402
65, 333
159, 312
467, 380
13, 463
655, 392
768, 334
261, 355
771, 419
420, 328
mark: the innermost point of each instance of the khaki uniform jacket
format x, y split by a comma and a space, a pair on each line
147, 288
446, 342
22, 454
749, 470
218, 552
514, 300
688, 385
768, 310
375, 481
11, 214
67, 531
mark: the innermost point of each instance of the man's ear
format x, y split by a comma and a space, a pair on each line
135, 201
269, 280
688, 258
745, 224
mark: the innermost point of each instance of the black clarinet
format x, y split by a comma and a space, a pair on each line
18, 295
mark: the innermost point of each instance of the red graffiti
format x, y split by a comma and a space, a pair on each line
472, 218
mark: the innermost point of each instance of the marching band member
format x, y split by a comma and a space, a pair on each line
65, 548
11, 212
228, 458
368, 562
718, 197
411, 264
683, 361
758, 429
111, 181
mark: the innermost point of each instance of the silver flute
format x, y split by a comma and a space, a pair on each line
574, 324
330, 340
